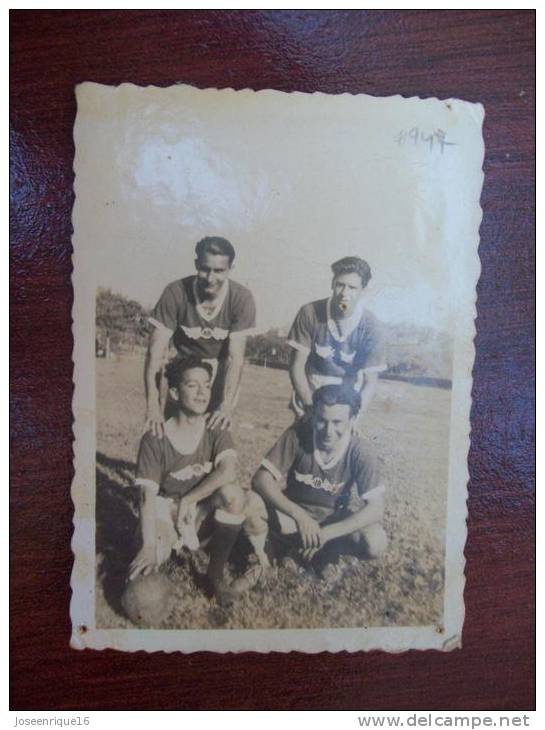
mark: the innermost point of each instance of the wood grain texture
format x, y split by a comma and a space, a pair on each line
485, 56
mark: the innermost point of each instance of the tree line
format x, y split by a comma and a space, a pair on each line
412, 352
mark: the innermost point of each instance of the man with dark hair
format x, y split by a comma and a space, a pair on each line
205, 315
216, 246
336, 340
321, 482
188, 481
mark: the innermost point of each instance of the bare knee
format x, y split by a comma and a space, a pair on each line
373, 540
255, 525
231, 498
377, 542
256, 515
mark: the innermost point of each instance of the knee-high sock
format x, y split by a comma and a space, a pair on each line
226, 530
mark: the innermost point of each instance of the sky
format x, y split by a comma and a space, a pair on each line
294, 181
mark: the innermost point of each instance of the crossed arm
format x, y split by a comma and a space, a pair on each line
224, 473
314, 536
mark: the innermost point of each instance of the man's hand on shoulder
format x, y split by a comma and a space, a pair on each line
222, 419
155, 421
306, 416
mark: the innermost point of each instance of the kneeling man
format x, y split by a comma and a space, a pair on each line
322, 481
187, 478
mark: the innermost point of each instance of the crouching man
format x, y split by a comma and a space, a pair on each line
188, 482
321, 482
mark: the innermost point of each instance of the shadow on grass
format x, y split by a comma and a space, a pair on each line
117, 533
118, 537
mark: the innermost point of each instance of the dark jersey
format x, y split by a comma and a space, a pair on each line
334, 357
162, 464
199, 333
311, 481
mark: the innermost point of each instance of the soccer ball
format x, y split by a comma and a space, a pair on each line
148, 600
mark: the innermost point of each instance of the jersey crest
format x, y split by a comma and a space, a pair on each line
205, 333
327, 352
347, 357
324, 351
318, 483
192, 471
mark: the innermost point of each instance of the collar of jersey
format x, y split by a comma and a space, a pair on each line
178, 443
338, 453
352, 322
208, 317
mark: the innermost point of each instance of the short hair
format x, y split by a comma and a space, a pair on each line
176, 368
216, 246
352, 265
333, 395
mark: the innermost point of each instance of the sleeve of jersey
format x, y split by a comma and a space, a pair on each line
148, 463
375, 361
282, 455
300, 334
165, 312
223, 445
366, 474
244, 319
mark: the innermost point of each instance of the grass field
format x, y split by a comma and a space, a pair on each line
408, 426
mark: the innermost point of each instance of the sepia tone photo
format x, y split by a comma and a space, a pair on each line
274, 298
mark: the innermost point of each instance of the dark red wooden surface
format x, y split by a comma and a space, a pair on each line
485, 56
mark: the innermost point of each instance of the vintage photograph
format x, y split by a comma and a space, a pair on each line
274, 302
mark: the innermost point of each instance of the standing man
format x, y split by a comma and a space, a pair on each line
336, 340
208, 316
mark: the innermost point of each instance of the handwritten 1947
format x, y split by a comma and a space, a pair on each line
418, 137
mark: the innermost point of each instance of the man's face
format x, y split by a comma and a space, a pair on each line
212, 271
193, 393
347, 291
330, 424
